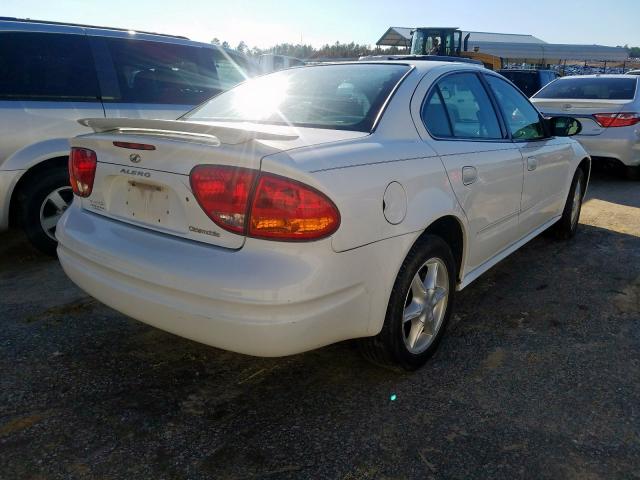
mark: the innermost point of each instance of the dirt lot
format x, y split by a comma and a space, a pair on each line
539, 377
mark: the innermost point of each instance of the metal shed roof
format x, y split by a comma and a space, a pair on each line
401, 36
517, 46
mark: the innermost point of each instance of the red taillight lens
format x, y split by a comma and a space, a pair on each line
279, 208
607, 120
223, 194
283, 209
82, 170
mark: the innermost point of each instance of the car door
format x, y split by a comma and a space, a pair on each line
154, 79
547, 159
47, 82
483, 166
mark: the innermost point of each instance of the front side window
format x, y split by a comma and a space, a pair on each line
341, 97
47, 66
523, 120
462, 101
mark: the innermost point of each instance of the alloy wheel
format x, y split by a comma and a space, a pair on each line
52, 208
425, 305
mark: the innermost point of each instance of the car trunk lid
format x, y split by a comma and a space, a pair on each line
148, 185
142, 176
582, 110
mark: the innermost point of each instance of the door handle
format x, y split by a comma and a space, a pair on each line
532, 163
469, 175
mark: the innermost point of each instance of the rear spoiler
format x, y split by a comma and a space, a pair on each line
211, 132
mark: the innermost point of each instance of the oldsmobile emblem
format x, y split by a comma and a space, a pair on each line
135, 158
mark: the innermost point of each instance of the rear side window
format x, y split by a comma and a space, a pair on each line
47, 66
166, 73
462, 100
435, 115
589, 88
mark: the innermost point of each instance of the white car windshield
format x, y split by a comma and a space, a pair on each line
345, 97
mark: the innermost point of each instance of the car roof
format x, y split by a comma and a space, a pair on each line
45, 26
417, 64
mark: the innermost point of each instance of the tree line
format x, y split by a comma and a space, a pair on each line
337, 50
308, 52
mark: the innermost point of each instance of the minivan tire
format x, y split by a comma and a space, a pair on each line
390, 347
39, 201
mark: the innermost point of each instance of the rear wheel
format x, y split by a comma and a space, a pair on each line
568, 223
44, 201
419, 308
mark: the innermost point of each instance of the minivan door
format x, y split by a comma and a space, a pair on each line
47, 83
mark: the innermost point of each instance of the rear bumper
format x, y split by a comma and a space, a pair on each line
8, 181
622, 144
267, 299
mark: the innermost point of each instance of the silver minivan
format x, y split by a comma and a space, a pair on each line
53, 74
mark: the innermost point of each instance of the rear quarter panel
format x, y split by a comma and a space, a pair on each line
358, 189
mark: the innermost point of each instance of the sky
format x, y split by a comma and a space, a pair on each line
264, 23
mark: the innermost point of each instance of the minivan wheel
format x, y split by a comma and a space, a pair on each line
44, 202
419, 308
568, 223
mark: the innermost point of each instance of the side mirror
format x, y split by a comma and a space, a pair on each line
564, 126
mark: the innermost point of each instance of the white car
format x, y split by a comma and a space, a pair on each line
319, 204
608, 107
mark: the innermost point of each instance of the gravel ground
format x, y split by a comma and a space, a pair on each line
538, 377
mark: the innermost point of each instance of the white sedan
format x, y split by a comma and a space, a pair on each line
319, 204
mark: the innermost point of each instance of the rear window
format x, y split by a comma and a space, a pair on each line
47, 66
528, 82
590, 89
346, 97
166, 73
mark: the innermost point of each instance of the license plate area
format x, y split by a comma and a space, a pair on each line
147, 203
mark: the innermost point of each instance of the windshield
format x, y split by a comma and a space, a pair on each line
345, 97
599, 88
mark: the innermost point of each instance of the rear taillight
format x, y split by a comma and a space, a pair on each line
263, 205
283, 209
607, 120
223, 194
82, 170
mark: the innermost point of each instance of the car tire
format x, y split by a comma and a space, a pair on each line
567, 226
43, 201
417, 314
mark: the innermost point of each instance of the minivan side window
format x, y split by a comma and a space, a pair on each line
467, 108
47, 67
230, 69
523, 120
162, 73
